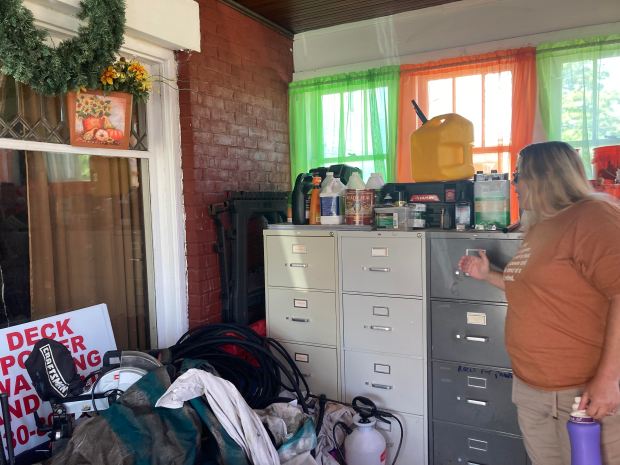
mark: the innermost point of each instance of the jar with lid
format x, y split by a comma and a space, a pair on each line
417, 215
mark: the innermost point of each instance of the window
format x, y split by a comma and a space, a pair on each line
495, 91
74, 225
69, 243
579, 85
484, 98
349, 118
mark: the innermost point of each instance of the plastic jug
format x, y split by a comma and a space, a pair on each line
332, 202
441, 149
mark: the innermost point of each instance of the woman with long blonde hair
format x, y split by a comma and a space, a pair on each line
563, 293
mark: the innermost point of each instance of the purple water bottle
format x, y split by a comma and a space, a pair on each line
585, 437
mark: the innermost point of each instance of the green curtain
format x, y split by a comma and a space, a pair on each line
579, 92
347, 118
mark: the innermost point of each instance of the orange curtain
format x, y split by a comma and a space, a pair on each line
414, 81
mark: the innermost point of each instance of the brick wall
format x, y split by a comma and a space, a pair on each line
234, 132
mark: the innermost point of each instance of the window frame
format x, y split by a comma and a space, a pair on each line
499, 150
595, 141
163, 199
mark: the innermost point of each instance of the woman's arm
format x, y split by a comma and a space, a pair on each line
602, 394
480, 268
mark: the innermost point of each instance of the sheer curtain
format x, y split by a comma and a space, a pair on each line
87, 244
579, 91
346, 118
496, 91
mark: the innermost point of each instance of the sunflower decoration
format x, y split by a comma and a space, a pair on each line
127, 76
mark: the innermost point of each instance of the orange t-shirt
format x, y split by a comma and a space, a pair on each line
558, 287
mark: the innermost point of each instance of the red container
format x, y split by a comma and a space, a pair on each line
605, 162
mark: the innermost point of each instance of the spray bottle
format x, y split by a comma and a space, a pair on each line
365, 445
585, 437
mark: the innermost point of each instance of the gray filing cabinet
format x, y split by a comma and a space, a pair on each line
473, 420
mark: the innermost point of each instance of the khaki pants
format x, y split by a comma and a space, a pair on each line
542, 419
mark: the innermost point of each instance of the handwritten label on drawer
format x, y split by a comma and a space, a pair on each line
380, 311
476, 444
305, 358
299, 248
300, 303
381, 368
378, 251
474, 318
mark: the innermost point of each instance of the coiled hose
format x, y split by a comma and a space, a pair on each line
260, 384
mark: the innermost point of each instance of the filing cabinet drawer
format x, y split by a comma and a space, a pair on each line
449, 283
383, 324
474, 395
383, 265
413, 449
469, 332
391, 381
303, 316
319, 365
462, 445
301, 261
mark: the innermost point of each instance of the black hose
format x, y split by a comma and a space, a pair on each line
260, 382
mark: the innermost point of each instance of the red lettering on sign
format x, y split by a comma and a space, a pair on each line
21, 384
77, 344
14, 340
5, 386
6, 362
63, 327
21, 358
94, 359
31, 404
48, 334
32, 335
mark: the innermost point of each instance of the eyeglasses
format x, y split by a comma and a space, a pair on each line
515, 177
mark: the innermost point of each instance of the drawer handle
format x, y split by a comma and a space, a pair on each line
298, 265
482, 403
378, 328
387, 387
379, 269
473, 463
474, 338
300, 320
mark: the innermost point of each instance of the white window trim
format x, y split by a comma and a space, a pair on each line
169, 266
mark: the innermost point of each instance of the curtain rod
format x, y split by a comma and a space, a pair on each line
572, 47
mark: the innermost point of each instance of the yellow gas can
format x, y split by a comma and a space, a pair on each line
441, 149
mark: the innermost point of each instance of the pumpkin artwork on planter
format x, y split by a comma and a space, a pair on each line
99, 119
102, 118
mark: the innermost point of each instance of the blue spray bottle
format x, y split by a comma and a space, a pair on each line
585, 437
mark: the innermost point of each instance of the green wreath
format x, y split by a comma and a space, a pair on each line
76, 62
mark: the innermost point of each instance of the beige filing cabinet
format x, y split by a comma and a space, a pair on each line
383, 327
350, 307
301, 289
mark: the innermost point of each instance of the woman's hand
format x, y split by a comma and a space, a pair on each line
601, 397
475, 267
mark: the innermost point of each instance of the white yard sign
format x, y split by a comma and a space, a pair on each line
87, 333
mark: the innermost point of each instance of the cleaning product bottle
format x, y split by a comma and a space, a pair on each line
359, 202
332, 202
328, 179
301, 191
365, 445
315, 201
375, 182
585, 437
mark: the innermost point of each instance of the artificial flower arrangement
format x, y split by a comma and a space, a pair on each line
103, 117
127, 76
